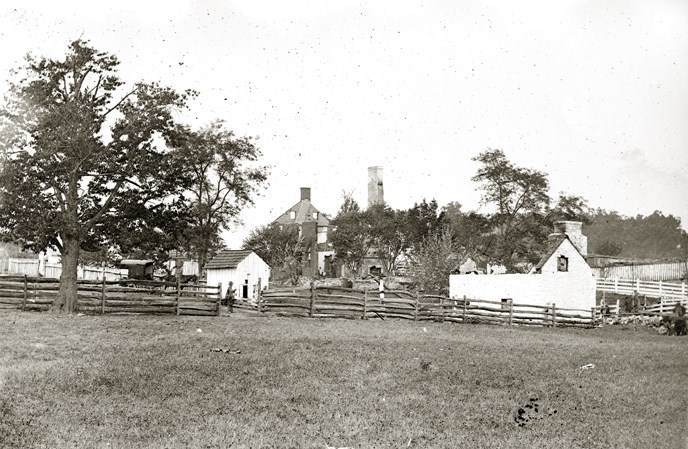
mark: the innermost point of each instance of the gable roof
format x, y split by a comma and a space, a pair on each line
228, 258
304, 212
553, 246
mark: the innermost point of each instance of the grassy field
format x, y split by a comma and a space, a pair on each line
153, 382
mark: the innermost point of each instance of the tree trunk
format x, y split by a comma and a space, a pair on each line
66, 300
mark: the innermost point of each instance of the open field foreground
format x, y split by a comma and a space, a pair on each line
153, 382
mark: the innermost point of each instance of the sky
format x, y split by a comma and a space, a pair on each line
595, 94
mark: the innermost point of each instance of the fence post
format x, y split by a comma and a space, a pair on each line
592, 323
554, 315
102, 296
26, 293
442, 307
230, 293
312, 304
179, 289
219, 298
637, 284
683, 289
464, 309
618, 309
365, 304
415, 305
259, 295
616, 285
511, 312
660, 288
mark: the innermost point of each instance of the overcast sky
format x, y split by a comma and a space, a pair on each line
594, 93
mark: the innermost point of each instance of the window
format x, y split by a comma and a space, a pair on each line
315, 215
322, 234
292, 214
563, 263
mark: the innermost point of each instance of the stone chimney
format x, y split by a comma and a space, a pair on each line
376, 194
305, 193
572, 229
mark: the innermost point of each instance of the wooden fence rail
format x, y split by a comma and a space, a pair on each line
658, 289
103, 296
339, 302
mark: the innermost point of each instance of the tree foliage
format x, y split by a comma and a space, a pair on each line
423, 220
281, 248
434, 261
387, 233
351, 239
521, 201
81, 157
516, 232
655, 236
224, 177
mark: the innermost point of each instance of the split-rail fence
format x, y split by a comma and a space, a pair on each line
340, 302
101, 297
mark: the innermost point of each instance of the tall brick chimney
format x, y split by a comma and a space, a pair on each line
376, 193
306, 193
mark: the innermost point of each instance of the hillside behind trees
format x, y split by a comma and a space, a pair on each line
655, 236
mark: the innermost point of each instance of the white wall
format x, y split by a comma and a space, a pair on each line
574, 289
251, 268
536, 289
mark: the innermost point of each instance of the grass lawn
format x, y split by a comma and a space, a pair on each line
152, 382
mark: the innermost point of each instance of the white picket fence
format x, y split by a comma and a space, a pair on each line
646, 272
29, 267
88, 273
658, 289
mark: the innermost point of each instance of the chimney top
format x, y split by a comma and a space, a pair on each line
305, 193
572, 229
376, 193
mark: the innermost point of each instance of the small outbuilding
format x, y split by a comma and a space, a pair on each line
562, 277
243, 268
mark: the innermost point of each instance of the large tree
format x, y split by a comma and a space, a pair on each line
521, 201
281, 247
434, 261
387, 232
423, 220
85, 159
351, 239
225, 178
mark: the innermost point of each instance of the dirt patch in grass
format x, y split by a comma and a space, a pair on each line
157, 382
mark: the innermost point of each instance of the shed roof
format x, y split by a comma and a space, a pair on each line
136, 262
228, 258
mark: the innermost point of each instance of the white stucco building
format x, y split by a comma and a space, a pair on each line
562, 277
243, 268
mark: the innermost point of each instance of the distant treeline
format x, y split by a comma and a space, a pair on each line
656, 236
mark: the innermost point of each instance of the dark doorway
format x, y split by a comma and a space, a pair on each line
244, 290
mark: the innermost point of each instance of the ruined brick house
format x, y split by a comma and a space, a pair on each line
314, 227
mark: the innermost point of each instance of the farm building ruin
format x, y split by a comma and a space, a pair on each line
562, 277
